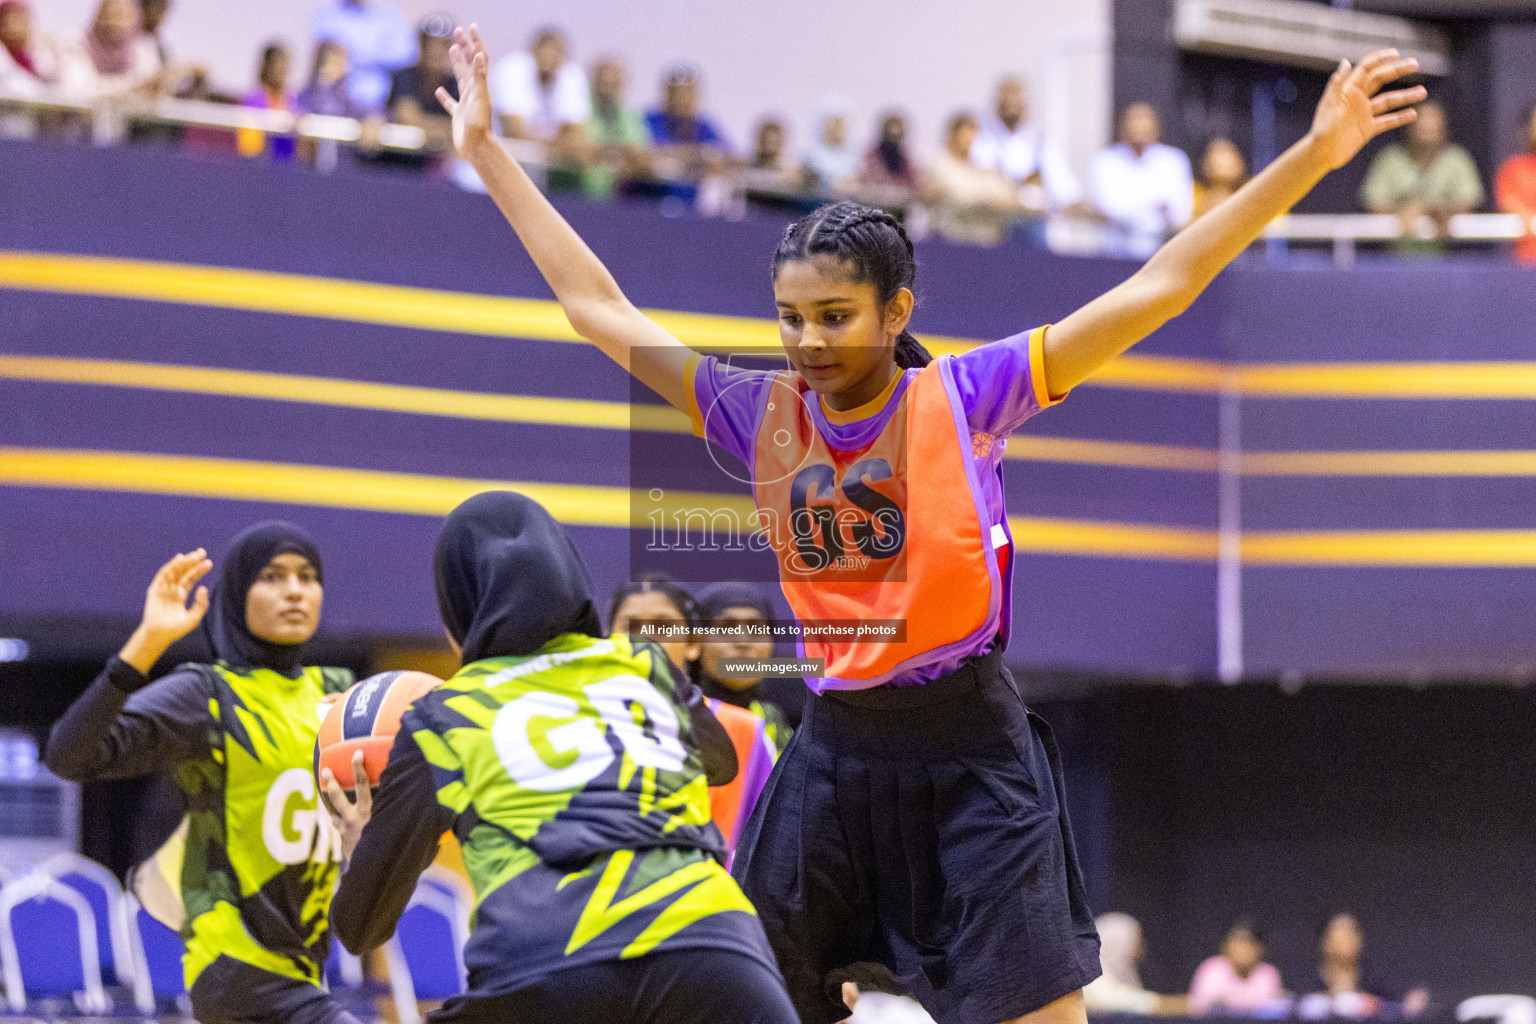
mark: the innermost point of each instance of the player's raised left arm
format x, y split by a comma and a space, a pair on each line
1353, 111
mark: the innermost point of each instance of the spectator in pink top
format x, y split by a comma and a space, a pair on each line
1237, 980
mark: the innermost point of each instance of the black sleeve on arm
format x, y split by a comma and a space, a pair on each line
715, 747
123, 725
397, 844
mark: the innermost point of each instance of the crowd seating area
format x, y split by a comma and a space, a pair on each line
995, 178
75, 943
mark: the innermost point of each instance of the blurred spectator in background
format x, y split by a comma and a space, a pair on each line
888, 163
972, 204
1424, 175
327, 92
830, 164
327, 95
152, 15
770, 178
203, 140
27, 56
1236, 981
1350, 990
1119, 988
1009, 143
271, 93
1222, 172
1144, 188
1515, 190
769, 152
379, 41
28, 62
413, 90
688, 140
114, 59
541, 94
617, 133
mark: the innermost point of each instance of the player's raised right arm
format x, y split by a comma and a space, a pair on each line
591, 298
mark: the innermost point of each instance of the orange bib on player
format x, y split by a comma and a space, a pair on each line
895, 530
725, 802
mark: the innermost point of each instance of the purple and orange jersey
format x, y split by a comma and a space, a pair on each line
990, 392
731, 805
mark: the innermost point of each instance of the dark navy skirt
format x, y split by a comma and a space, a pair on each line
923, 829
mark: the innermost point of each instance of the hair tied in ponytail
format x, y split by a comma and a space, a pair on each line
910, 352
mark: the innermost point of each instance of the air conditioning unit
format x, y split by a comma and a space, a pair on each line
1300, 34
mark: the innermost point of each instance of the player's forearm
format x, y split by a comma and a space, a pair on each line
592, 300
1178, 273
1184, 267
578, 278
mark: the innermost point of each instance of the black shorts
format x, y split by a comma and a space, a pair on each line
924, 829
231, 991
683, 986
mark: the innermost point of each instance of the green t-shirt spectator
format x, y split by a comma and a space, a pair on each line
623, 126
1448, 182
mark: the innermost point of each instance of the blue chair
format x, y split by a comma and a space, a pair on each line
114, 947
157, 956
343, 969
426, 955
48, 945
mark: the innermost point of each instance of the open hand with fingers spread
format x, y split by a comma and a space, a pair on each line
471, 112
167, 615
1354, 110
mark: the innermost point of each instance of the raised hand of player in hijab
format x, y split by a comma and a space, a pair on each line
471, 112
167, 615
1354, 110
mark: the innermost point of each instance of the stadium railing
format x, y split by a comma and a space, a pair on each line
1344, 233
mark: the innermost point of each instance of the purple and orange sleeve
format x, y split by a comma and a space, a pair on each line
1002, 384
724, 404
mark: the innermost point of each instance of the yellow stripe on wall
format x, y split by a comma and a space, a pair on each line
323, 486
585, 505
1459, 549
543, 320
456, 312
1112, 540
1507, 380
1080, 451
332, 391
589, 413
1391, 463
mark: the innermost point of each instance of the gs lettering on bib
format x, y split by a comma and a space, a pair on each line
894, 530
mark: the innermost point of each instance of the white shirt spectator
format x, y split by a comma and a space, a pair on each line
17, 122
1023, 152
378, 40
79, 79
1146, 196
544, 110
17, 80
1119, 988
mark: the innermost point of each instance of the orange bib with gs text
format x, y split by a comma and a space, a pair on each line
893, 531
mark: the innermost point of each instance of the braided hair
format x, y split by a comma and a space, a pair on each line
873, 243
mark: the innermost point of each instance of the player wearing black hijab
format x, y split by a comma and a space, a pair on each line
260, 859
568, 764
